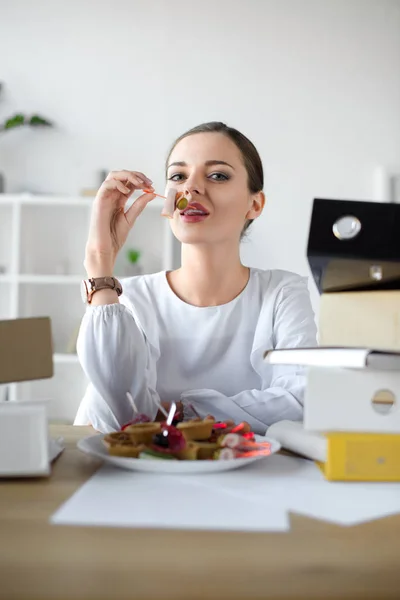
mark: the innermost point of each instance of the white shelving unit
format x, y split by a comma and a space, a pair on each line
42, 243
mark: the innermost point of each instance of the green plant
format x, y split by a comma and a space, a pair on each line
20, 120
133, 255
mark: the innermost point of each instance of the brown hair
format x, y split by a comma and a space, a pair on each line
251, 158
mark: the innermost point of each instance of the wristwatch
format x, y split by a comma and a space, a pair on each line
90, 286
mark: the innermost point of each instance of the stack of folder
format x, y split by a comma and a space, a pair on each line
352, 396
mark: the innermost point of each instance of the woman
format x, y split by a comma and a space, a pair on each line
197, 334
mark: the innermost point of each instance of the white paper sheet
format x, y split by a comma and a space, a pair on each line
298, 486
113, 497
56, 446
256, 498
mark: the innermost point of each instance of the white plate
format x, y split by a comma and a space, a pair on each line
94, 446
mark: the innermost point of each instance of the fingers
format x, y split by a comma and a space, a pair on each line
137, 207
114, 184
137, 179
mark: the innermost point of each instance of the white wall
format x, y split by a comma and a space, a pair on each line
314, 83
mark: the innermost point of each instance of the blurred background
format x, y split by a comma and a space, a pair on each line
90, 86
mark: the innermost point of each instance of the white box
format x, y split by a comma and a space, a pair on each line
341, 400
24, 445
25, 355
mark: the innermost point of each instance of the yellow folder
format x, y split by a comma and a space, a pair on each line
362, 457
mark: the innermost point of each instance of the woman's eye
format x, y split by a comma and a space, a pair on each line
176, 177
214, 176
218, 177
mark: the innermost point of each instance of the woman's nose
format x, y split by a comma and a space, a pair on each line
193, 186
191, 191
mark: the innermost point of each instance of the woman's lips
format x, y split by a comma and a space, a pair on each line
195, 206
194, 213
187, 218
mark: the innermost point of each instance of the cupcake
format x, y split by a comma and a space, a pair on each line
205, 450
197, 429
143, 433
198, 451
121, 444
190, 452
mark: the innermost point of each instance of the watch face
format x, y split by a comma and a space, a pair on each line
84, 292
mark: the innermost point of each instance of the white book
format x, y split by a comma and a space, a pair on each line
336, 357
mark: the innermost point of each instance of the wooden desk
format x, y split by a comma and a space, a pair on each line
314, 560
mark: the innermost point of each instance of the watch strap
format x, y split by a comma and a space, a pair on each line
95, 284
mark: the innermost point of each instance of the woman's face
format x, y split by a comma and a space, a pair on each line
208, 168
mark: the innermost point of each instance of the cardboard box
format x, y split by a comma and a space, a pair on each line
26, 349
363, 319
26, 353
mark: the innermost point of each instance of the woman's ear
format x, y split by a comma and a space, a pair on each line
258, 203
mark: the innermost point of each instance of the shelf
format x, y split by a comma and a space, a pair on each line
63, 392
42, 248
31, 199
148, 236
53, 240
66, 359
62, 304
42, 279
60, 201
49, 279
5, 304
6, 245
7, 278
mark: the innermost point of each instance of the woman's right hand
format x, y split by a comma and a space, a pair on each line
109, 223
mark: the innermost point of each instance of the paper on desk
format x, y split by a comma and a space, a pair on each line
297, 485
56, 446
114, 497
256, 498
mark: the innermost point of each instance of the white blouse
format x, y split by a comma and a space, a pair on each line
156, 346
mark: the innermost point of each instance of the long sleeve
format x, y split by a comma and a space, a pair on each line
116, 359
282, 389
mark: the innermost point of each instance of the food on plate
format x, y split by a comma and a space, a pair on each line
151, 454
227, 454
138, 418
230, 453
196, 429
170, 439
178, 417
233, 440
205, 450
195, 439
143, 433
241, 443
229, 426
121, 444
189, 452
